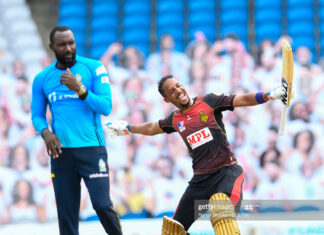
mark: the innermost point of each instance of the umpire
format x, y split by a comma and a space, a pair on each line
77, 92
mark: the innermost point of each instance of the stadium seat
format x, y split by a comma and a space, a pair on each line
81, 50
234, 5
76, 24
299, 3
201, 5
204, 18
304, 41
72, 10
300, 14
268, 4
138, 8
268, 31
321, 13
80, 39
234, 16
103, 37
321, 28
104, 23
301, 28
268, 15
169, 20
136, 35
105, 8
168, 6
97, 51
136, 22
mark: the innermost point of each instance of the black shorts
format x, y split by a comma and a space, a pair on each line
228, 180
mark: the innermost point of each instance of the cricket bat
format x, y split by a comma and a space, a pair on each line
287, 81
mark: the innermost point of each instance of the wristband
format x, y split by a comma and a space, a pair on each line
259, 98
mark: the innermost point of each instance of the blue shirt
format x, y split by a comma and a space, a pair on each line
75, 122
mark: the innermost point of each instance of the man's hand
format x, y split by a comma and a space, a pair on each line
280, 91
70, 81
52, 143
117, 128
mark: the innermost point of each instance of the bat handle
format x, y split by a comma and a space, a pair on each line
283, 120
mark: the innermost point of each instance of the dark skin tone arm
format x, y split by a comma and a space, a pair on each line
147, 128
53, 144
248, 99
153, 128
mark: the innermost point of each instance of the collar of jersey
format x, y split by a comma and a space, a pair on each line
193, 102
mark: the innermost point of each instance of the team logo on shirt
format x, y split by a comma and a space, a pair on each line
102, 166
101, 70
55, 96
181, 126
104, 79
199, 138
203, 117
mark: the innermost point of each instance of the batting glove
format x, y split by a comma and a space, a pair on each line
280, 92
277, 92
117, 128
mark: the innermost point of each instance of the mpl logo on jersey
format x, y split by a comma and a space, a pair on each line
199, 138
181, 126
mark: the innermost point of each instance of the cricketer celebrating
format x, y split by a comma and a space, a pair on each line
77, 91
217, 176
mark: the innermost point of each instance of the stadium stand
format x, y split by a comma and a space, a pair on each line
206, 63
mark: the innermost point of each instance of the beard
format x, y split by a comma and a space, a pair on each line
66, 62
186, 104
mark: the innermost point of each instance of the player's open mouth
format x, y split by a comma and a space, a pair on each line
182, 97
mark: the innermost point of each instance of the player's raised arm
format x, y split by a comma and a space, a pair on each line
117, 128
251, 99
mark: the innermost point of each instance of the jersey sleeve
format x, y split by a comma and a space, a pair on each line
219, 102
38, 105
99, 99
166, 124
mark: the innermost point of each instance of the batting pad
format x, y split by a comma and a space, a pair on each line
172, 227
222, 215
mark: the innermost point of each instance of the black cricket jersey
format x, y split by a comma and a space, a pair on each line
202, 129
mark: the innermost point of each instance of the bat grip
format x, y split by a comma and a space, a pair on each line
283, 120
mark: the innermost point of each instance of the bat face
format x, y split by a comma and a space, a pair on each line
287, 81
287, 69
